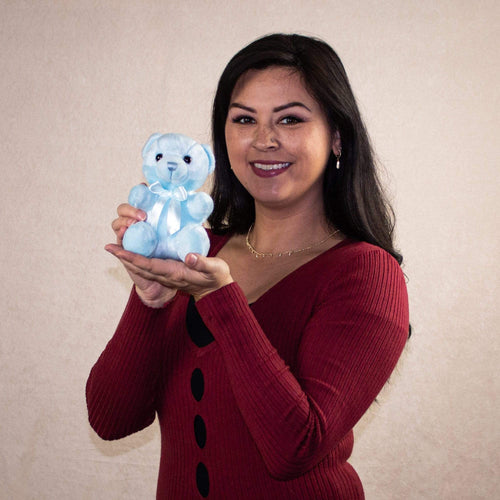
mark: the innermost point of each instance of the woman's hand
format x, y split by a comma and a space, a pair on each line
197, 276
157, 280
127, 215
151, 293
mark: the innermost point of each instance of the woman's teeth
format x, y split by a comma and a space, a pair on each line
272, 166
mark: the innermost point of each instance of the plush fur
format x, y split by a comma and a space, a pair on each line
174, 166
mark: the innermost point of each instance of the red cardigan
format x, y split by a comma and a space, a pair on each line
258, 401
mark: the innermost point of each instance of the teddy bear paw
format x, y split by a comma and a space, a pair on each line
140, 238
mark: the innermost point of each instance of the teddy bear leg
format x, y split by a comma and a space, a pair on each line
166, 248
192, 239
140, 238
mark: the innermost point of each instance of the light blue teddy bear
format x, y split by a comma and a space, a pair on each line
174, 166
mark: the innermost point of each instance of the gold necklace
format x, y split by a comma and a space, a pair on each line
287, 253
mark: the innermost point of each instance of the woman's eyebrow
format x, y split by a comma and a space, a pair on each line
291, 105
238, 105
275, 110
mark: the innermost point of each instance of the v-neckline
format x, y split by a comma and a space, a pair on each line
216, 248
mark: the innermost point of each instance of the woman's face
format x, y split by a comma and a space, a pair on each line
278, 139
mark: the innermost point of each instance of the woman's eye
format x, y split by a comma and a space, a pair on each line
243, 120
290, 120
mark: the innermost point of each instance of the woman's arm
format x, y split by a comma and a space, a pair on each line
123, 385
347, 352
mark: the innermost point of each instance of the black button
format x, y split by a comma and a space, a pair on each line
197, 330
202, 480
197, 384
200, 431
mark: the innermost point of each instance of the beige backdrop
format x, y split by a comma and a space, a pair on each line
84, 83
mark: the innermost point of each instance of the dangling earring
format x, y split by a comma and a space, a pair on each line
338, 159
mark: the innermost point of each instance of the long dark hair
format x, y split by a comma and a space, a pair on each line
353, 199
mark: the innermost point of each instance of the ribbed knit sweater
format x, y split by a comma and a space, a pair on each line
258, 401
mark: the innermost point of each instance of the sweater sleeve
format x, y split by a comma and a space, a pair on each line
348, 349
123, 384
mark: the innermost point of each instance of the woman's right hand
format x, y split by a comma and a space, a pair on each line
151, 293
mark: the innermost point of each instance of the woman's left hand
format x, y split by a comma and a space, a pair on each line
197, 276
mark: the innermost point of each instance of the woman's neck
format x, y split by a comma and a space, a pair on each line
275, 231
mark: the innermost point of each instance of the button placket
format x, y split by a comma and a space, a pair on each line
200, 432
201, 336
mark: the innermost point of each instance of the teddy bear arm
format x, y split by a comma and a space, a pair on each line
141, 197
199, 206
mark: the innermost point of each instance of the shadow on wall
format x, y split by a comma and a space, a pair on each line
118, 273
125, 445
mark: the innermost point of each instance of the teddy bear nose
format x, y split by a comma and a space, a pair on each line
171, 165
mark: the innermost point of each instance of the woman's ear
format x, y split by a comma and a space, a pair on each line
336, 143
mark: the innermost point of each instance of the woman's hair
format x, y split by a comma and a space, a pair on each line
353, 199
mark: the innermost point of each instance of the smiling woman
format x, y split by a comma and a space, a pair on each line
278, 140
260, 358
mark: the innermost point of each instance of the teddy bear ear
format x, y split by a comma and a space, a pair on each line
150, 141
211, 158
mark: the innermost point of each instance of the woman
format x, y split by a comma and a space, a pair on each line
260, 358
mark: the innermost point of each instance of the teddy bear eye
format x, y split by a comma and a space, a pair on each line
187, 159
159, 156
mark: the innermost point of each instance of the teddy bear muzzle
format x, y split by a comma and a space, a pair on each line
172, 171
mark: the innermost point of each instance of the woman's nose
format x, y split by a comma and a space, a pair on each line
265, 138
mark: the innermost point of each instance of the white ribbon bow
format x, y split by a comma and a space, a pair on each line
173, 198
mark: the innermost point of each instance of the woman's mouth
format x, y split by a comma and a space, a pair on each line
269, 169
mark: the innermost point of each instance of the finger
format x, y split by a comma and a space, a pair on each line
168, 281
128, 211
205, 265
172, 271
124, 255
120, 234
200, 263
112, 248
121, 222
197, 269
154, 267
137, 271
132, 268
192, 260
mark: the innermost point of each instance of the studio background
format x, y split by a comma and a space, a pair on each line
82, 86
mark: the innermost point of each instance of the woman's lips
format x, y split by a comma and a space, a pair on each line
269, 168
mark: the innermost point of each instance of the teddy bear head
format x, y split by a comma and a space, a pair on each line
175, 160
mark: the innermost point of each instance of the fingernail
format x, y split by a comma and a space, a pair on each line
191, 259
142, 215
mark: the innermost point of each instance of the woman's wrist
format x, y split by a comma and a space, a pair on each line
199, 296
155, 303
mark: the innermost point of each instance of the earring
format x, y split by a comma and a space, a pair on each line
338, 159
